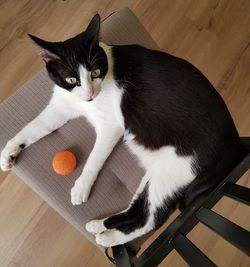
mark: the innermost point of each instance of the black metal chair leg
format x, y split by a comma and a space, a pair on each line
190, 253
237, 192
233, 233
121, 256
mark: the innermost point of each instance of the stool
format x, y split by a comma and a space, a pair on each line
120, 176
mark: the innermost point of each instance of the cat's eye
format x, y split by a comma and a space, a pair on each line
71, 80
96, 73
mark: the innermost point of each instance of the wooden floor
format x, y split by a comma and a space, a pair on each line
214, 35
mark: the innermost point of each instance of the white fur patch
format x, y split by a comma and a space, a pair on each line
165, 170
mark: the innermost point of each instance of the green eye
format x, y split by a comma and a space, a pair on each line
71, 80
95, 73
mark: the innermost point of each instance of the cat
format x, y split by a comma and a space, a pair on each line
167, 112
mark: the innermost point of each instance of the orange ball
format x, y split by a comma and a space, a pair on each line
64, 162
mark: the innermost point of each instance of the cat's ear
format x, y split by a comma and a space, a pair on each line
46, 49
93, 29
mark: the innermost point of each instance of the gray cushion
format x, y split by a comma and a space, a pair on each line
121, 174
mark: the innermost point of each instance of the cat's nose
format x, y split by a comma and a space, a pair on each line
90, 92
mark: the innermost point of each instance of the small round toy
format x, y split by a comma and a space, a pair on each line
64, 162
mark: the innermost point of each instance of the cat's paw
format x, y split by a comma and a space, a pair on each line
9, 154
79, 193
95, 227
110, 238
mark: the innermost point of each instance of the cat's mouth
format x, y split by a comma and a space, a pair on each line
90, 99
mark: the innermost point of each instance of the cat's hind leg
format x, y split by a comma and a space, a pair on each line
127, 225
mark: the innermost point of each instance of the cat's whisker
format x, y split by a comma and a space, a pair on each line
97, 59
126, 82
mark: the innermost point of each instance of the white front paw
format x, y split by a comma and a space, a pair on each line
79, 193
9, 154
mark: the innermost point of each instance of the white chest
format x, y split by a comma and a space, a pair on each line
105, 109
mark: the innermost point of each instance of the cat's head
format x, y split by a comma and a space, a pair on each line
78, 64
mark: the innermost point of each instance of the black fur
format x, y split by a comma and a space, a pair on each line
163, 213
180, 105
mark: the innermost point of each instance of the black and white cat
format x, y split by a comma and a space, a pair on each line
167, 112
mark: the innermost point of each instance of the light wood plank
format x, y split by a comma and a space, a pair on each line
213, 34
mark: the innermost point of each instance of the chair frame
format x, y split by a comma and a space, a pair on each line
174, 236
